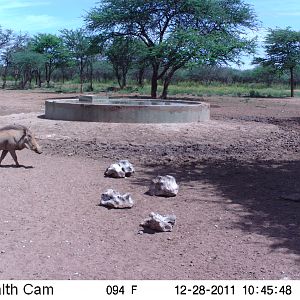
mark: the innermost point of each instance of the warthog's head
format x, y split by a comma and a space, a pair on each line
31, 143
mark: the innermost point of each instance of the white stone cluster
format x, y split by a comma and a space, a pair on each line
164, 186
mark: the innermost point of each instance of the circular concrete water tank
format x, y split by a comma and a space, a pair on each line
123, 110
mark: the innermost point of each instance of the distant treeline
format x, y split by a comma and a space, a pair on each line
103, 72
227, 75
166, 42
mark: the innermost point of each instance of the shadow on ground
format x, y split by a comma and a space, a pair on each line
16, 167
257, 186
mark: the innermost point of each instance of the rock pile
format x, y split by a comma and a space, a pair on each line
165, 186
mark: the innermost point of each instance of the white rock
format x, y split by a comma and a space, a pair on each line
127, 167
113, 199
159, 222
115, 171
164, 186
121, 169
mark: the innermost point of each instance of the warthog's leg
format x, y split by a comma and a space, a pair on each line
3, 154
14, 156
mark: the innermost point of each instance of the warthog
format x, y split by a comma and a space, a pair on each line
16, 137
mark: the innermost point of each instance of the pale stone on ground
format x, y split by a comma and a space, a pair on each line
163, 186
159, 222
127, 167
114, 199
121, 169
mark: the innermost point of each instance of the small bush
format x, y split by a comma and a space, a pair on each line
254, 94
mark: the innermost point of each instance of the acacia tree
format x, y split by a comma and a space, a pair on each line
27, 63
121, 53
6, 38
81, 48
177, 32
282, 47
51, 47
14, 43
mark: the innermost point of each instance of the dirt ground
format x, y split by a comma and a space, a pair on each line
232, 219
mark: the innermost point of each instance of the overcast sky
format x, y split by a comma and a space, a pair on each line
49, 16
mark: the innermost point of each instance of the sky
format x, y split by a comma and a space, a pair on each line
43, 16
277, 13
272, 14
50, 16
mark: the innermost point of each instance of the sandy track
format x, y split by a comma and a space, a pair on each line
232, 171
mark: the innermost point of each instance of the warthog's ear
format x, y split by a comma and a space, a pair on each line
26, 139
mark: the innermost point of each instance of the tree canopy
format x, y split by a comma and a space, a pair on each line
80, 47
282, 47
177, 32
151, 41
51, 47
121, 53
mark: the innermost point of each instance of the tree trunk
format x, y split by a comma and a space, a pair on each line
118, 76
154, 81
63, 74
167, 82
124, 81
36, 74
292, 81
91, 76
25, 79
81, 75
140, 76
165, 90
47, 70
4, 77
30, 81
39, 79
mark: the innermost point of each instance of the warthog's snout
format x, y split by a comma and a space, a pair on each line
38, 150
34, 147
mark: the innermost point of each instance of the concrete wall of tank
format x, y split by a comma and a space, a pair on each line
60, 110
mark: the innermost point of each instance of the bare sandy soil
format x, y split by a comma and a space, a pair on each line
232, 220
